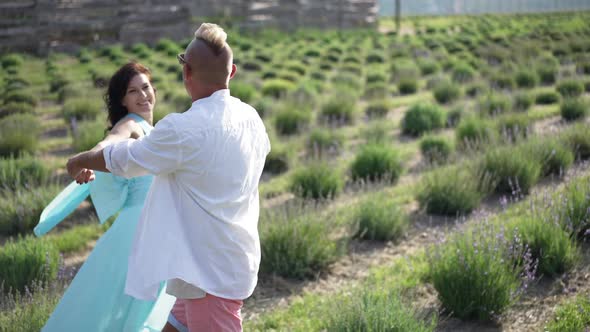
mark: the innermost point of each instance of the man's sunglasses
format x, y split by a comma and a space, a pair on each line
181, 59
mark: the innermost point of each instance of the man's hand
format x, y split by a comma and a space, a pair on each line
80, 174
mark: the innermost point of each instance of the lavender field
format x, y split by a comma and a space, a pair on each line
435, 179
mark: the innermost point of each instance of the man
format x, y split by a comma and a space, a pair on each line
198, 229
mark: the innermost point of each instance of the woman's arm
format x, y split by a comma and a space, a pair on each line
121, 131
93, 159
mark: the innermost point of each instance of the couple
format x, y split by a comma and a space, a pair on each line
184, 250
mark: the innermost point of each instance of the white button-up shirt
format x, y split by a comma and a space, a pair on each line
200, 219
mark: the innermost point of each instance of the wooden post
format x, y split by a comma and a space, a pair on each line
398, 12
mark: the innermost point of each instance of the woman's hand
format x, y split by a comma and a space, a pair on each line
80, 174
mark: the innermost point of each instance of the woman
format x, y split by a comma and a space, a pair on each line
95, 300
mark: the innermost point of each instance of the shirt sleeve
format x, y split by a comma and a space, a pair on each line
160, 152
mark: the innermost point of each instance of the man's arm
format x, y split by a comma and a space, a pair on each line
81, 166
157, 153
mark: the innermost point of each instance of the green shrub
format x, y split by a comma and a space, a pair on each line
290, 120
378, 90
376, 132
277, 161
20, 97
23, 171
264, 106
167, 46
547, 98
473, 132
27, 260
89, 133
11, 60
318, 181
141, 50
548, 243
573, 209
446, 92
421, 118
583, 67
296, 246
376, 77
407, 86
526, 79
554, 156
378, 108
296, 67
81, 109
374, 310
476, 89
502, 81
474, 272
339, 109
16, 108
322, 141
376, 162
494, 104
277, 87
570, 88
577, 139
462, 72
243, 91
375, 57
454, 116
18, 134
378, 218
514, 126
253, 66
547, 74
523, 101
450, 192
16, 83
404, 68
347, 82
511, 171
20, 208
435, 149
428, 67
574, 109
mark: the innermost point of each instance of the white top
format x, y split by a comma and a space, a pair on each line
200, 219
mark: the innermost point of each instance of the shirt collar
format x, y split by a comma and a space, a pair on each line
217, 95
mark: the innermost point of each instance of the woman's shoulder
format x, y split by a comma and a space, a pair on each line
129, 125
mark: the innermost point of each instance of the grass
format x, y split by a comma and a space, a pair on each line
27, 260
295, 244
450, 192
422, 118
30, 311
571, 316
483, 259
549, 244
378, 218
376, 162
317, 181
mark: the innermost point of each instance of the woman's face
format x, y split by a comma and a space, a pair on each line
140, 97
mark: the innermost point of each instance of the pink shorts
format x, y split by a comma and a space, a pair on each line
210, 313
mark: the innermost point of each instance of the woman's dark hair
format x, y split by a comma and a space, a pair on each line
118, 89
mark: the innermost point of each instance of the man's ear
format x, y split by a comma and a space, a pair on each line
186, 72
234, 69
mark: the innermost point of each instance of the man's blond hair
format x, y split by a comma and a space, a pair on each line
213, 35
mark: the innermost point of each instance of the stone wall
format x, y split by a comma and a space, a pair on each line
41, 26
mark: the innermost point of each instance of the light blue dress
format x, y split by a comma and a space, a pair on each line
95, 300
